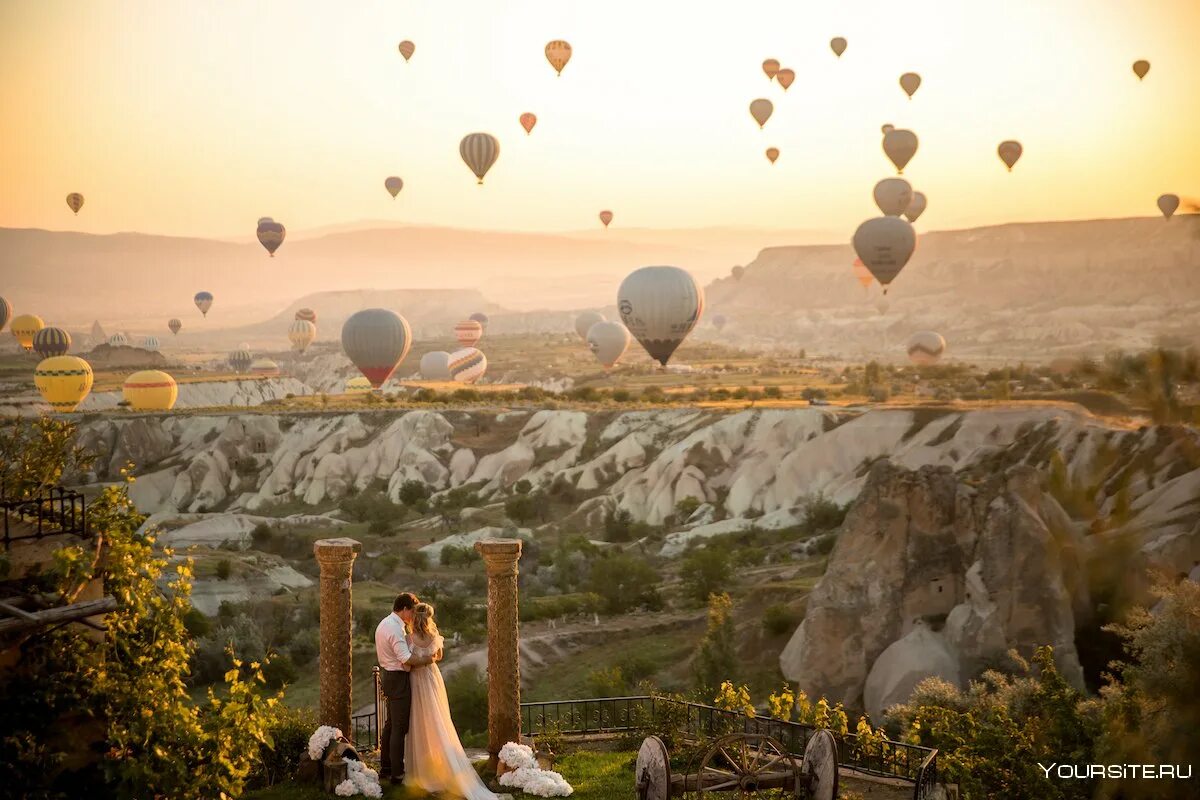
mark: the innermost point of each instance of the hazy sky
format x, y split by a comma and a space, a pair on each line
197, 118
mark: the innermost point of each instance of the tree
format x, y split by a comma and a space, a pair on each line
416, 560
623, 582
414, 494
523, 508
716, 661
705, 571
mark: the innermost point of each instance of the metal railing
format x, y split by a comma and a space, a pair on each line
888, 759
52, 512
366, 729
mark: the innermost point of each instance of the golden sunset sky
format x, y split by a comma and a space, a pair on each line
197, 118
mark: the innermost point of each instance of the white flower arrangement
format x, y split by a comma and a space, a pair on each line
527, 776
360, 779
320, 740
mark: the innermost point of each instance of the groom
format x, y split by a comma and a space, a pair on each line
396, 661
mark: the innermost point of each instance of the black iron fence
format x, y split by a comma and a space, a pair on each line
366, 728
886, 759
52, 512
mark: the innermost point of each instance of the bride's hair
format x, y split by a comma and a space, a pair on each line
423, 624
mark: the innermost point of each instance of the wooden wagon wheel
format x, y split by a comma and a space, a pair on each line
748, 764
821, 766
653, 770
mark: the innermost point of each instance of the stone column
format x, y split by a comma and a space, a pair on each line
336, 559
504, 667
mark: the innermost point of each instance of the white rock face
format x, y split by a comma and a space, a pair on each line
212, 394
468, 540
918, 655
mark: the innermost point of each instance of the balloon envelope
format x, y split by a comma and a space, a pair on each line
150, 390
63, 381
393, 185
271, 235
772, 154
435, 366
407, 49
468, 332
204, 301
1168, 204
558, 53
585, 321
467, 365
761, 110
771, 68
916, 206
479, 151
737, 272
264, 368
1009, 152
863, 274
838, 45
24, 327
307, 314
606, 217
376, 340
174, 326
118, 340
893, 195
240, 360
900, 145
926, 347
5, 312
75, 201
660, 306
910, 82
48, 342
301, 334
528, 121
608, 341
885, 244
785, 78
1140, 68
358, 385
481, 318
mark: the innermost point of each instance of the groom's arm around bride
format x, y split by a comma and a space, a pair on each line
396, 661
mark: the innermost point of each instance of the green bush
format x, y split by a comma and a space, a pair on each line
779, 620
706, 571
261, 536
289, 729
555, 606
623, 582
224, 569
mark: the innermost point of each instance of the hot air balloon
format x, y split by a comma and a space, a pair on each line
910, 82
719, 322
358, 385
481, 318
660, 306
24, 327
785, 77
479, 151
885, 244
264, 368
150, 390
63, 381
893, 195
393, 185
204, 301
5, 312
261, 220
900, 145
271, 235
407, 49
308, 315
301, 334
75, 201
1168, 204
50, 342
606, 217
862, 273
240, 360
376, 340
174, 326
837, 45
467, 365
771, 68
883, 304
1140, 68
585, 321
737, 272
772, 154
925, 348
608, 341
528, 121
150, 343
1009, 152
761, 110
118, 340
558, 53
435, 366
468, 332
887, 128
916, 206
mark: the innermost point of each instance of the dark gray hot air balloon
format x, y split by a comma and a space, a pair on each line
376, 340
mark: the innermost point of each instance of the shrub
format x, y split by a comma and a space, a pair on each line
289, 729
773, 392
224, 569
779, 620
416, 560
414, 494
623, 582
705, 571
261, 536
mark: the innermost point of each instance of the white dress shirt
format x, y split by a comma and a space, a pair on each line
391, 644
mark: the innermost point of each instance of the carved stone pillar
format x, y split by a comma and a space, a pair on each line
336, 559
504, 667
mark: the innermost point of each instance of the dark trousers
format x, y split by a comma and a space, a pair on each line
398, 694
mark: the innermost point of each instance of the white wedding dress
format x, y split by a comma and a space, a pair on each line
433, 755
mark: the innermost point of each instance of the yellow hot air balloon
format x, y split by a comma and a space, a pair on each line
75, 201
407, 49
528, 120
558, 53
479, 151
150, 390
64, 381
838, 45
1140, 68
785, 78
24, 327
910, 82
772, 154
761, 109
359, 385
771, 68
1009, 152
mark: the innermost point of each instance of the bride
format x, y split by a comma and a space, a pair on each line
434, 755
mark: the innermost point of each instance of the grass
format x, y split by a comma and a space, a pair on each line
594, 776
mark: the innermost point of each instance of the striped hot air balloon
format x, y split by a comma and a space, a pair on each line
467, 365
204, 301
24, 327
358, 385
150, 343
308, 315
264, 368
926, 347
468, 332
435, 366
5, 312
49, 342
63, 381
271, 235
660, 306
240, 360
118, 340
479, 151
75, 201
376, 340
174, 326
150, 390
301, 334
558, 53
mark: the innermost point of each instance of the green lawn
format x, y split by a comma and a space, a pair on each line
594, 776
